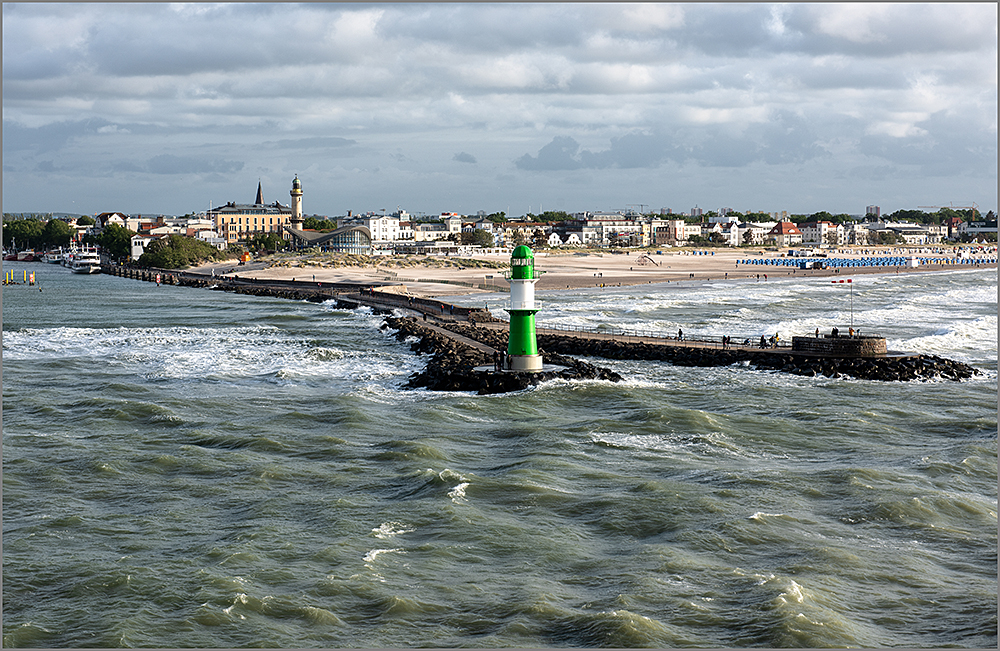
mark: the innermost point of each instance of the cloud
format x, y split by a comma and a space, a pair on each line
611, 91
322, 142
170, 164
49, 137
560, 154
943, 146
784, 138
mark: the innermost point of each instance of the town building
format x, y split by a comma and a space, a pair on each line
980, 228
823, 232
350, 238
785, 234
139, 244
953, 226
668, 232
237, 222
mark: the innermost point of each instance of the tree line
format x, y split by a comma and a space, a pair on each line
38, 232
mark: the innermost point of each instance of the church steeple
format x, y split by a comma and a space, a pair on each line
260, 196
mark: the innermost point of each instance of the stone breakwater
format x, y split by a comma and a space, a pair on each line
888, 368
452, 366
449, 369
314, 292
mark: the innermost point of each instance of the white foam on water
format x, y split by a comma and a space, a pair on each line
183, 353
977, 337
375, 553
709, 443
390, 529
760, 516
794, 593
457, 494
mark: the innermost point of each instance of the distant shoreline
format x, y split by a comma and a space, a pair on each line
430, 277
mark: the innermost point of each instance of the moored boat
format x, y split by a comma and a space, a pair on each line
86, 261
54, 257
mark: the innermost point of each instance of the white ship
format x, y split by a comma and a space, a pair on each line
85, 261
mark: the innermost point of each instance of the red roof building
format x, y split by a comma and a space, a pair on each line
785, 234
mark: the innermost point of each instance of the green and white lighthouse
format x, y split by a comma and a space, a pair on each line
522, 345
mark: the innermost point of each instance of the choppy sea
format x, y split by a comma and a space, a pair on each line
189, 468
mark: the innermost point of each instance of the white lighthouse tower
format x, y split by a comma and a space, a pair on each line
296, 219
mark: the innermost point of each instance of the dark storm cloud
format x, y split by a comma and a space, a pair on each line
784, 138
127, 167
560, 154
170, 164
944, 147
463, 157
48, 137
634, 150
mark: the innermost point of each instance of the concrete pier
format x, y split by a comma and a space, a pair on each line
477, 330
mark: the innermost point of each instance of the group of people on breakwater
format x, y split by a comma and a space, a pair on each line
500, 361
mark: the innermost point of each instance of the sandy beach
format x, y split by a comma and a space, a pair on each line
439, 276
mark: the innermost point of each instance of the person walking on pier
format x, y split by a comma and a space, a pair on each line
680, 334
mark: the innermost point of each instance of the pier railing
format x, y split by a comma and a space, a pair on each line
635, 335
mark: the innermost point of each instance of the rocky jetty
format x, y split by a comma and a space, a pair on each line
888, 368
452, 366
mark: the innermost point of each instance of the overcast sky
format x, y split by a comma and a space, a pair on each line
173, 108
